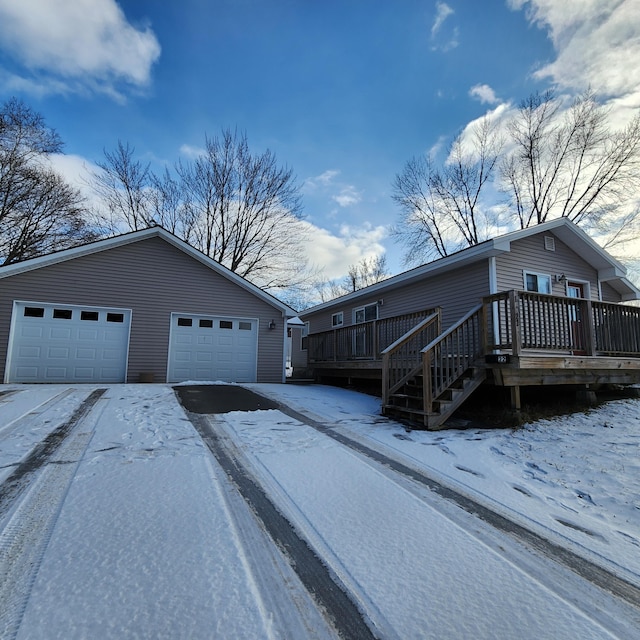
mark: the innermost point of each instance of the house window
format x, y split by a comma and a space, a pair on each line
304, 333
366, 313
337, 319
539, 282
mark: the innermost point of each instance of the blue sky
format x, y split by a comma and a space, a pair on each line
344, 92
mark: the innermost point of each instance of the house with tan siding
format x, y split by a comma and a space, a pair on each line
543, 305
142, 306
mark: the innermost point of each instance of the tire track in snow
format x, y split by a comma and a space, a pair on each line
595, 574
330, 596
31, 499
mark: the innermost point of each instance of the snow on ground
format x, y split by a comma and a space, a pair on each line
148, 542
574, 478
144, 545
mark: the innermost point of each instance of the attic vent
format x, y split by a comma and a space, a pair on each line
549, 243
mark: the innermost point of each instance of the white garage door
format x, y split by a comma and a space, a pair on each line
213, 348
67, 343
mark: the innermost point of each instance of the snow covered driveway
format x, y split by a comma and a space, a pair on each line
131, 528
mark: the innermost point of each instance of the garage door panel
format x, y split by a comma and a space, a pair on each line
31, 332
219, 348
60, 333
67, 343
88, 334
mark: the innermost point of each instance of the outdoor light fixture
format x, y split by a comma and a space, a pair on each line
272, 325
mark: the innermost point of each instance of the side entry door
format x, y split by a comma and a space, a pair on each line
576, 326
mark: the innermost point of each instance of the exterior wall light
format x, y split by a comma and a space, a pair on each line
272, 325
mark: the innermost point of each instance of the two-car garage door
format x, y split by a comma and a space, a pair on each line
68, 343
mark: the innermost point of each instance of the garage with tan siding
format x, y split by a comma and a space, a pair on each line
151, 277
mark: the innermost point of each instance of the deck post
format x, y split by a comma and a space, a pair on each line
385, 380
427, 394
375, 340
589, 329
516, 337
335, 345
515, 398
483, 327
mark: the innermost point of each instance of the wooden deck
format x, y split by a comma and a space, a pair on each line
512, 339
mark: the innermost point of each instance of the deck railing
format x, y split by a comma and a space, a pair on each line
520, 320
452, 353
364, 341
402, 359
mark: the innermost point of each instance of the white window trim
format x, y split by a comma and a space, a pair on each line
356, 309
585, 283
337, 319
538, 275
303, 334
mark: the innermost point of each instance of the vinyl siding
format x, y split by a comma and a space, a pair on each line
153, 279
529, 254
609, 294
456, 292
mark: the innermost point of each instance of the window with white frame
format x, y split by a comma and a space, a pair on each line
538, 282
337, 319
304, 334
366, 313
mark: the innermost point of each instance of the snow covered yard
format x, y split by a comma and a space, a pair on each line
143, 535
577, 477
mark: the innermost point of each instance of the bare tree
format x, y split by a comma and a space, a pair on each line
569, 163
247, 211
237, 207
123, 185
556, 161
440, 206
365, 273
170, 206
39, 211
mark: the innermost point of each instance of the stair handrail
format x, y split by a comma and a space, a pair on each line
437, 381
391, 383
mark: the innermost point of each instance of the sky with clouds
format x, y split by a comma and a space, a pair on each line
342, 91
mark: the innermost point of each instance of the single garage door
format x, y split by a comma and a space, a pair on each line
205, 347
67, 343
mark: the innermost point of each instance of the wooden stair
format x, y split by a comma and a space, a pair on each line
424, 385
407, 404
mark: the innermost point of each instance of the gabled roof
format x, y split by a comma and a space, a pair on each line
137, 236
609, 269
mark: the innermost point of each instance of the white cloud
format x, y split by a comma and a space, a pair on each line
484, 93
75, 45
597, 43
191, 152
450, 39
323, 180
348, 196
334, 252
443, 11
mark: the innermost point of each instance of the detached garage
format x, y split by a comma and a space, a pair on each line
140, 306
